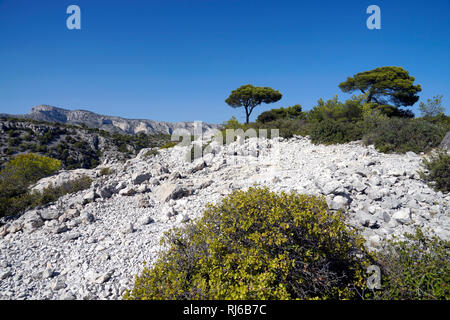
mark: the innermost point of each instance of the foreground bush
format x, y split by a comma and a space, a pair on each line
258, 245
415, 268
437, 171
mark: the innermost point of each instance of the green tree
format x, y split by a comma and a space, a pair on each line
249, 97
432, 108
384, 86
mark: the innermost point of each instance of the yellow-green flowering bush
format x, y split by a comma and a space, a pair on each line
259, 244
30, 167
17, 175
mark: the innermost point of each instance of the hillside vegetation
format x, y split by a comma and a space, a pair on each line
75, 146
334, 122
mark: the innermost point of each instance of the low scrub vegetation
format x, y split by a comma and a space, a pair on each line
23, 171
416, 268
53, 193
402, 135
151, 153
289, 113
286, 128
334, 122
333, 132
259, 245
333, 109
437, 171
169, 144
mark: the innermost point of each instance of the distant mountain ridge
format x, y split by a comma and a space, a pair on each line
108, 123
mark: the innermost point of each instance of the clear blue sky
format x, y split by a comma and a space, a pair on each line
178, 60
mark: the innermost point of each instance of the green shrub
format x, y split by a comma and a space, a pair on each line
14, 205
332, 132
17, 175
289, 113
333, 109
169, 144
53, 193
105, 171
441, 120
258, 245
402, 135
151, 153
372, 117
8, 151
438, 171
415, 268
28, 168
123, 148
233, 123
287, 128
14, 142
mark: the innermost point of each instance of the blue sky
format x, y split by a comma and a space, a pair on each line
178, 60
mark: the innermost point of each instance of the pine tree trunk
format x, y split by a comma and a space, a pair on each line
247, 115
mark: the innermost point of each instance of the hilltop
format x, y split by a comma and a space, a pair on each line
108, 123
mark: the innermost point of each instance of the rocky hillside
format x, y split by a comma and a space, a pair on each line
75, 146
108, 123
91, 244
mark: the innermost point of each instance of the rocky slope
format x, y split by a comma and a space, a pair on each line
91, 244
76, 147
108, 123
